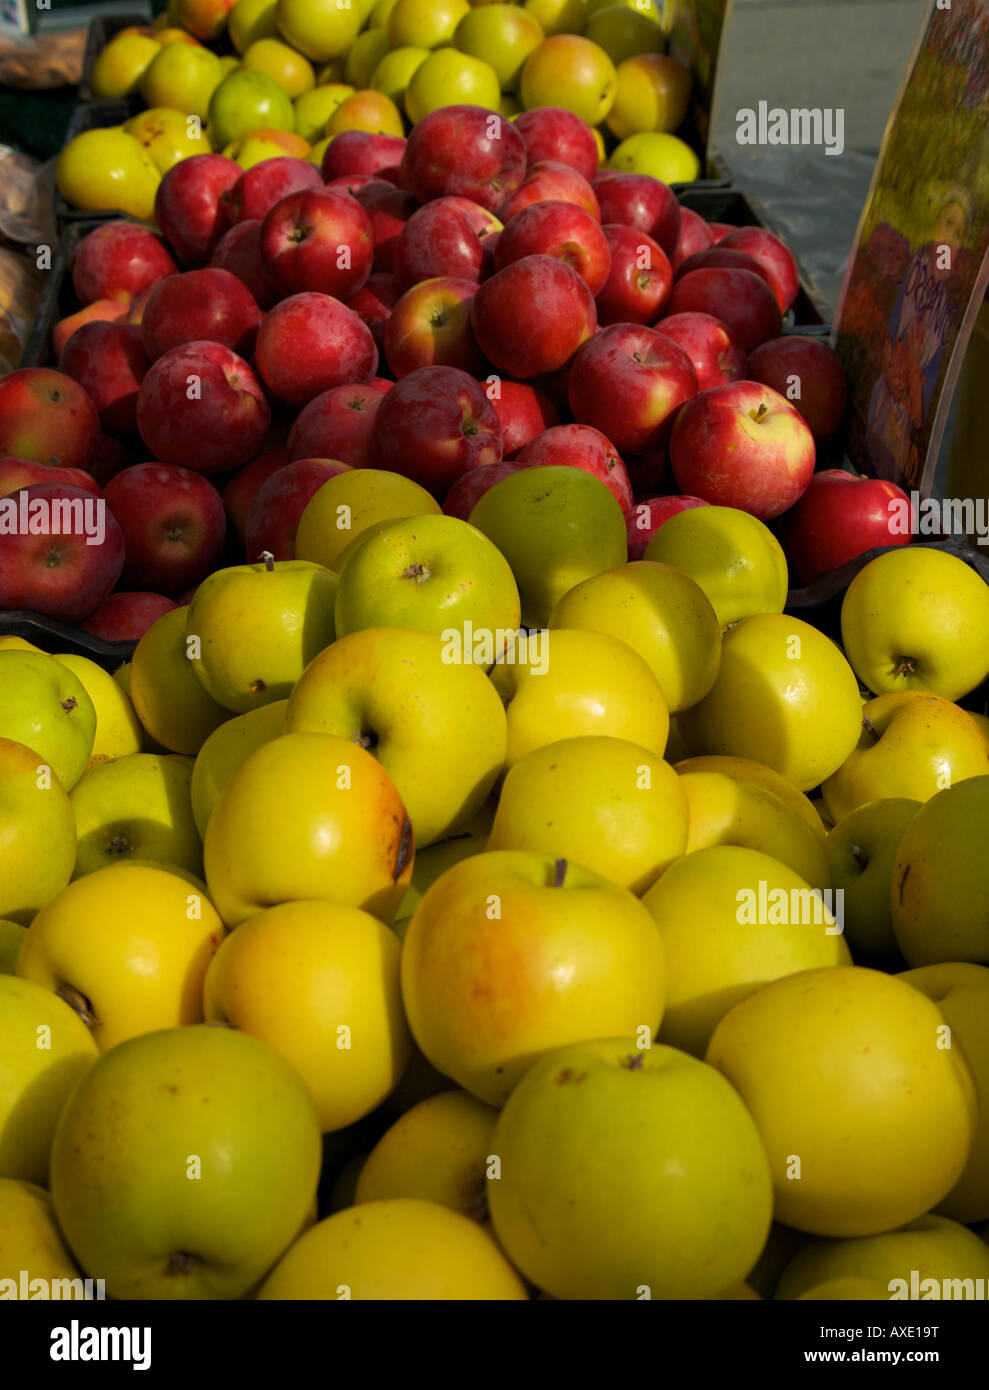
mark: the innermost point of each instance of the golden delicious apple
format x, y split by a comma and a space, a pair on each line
747, 770
503, 35
31, 1241
37, 833
224, 751
351, 502
250, 20
118, 729
860, 854
107, 168
44, 1050
313, 109
659, 156
438, 1151
185, 1164
136, 807
425, 23
733, 556
12, 936
118, 69
867, 1119
449, 78
293, 73
127, 947
435, 724
168, 136
395, 70
308, 816
574, 682
44, 706
321, 29
182, 77
662, 614
725, 811
732, 919
558, 16
569, 71
628, 1172
318, 982
784, 696
169, 698
652, 94
510, 955
623, 32
911, 745
917, 619
613, 806
398, 1249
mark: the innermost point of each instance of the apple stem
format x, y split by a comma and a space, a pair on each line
78, 1003
870, 729
560, 873
759, 415
906, 666
269, 560
859, 857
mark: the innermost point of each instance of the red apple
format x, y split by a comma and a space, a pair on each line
67, 559
550, 181
841, 515
773, 255
524, 413
430, 326
100, 311
279, 503
173, 523
719, 230
580, 446
738, 297
109, 361
470, 487
449, 236
466, 152
201, 405
16, 473
629, 382
239, 251
808, 374
338, 424
374, 302
311, 342
388, 209
638, 200
434, 425
117, 261
259, 188
361, 152
242, 488
530, 318
725, 258
562, 230
742, 446
639, 281
352, 184
48, 417
201, 306
550, 132
112, 456
695, 235
188, 206
709, 344
317, 241
643, 519
126, 617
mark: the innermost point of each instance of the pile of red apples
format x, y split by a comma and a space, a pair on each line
452, 307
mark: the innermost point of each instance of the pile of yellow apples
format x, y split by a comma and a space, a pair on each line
366, 937
302, 72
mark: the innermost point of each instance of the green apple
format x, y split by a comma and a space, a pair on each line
623, 32
785, 696
932, 1247
662, 614
504, 36
868, 1122
348, 504
732, 919
558, 16
32, 1241
450, 78
321, 29
185, 1164
748, 770
257, 627
246, 101
556, 526
183, 77
659, 156
136, 807
572, 682
12, 936
613, 806
250, 20
366, 52
395, 70
169, 699
225, 750
435, 573
733, 556
911, 745
961, 993
313, 109
44, 1050
380, 14
511, 954
939, 890
44, 706
118, 729
425, 23
628, 1173
917, 619
293, 73
724, 810
436, 726
37, 833
860, 852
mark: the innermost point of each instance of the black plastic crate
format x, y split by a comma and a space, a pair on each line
91, 115
53, 636
102, 28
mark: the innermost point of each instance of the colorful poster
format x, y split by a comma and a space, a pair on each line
919, 268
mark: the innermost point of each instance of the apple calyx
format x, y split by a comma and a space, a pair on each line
405, 851
120, 845
417, 572
634, 1061
69, 704
559, 873
78, 1003
269, 560
180, 1263
906, 666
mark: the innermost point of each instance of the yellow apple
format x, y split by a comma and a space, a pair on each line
659, 156
662, 614
747, 770
624, 32
557, 16
308, 816
250, 20
649, 9
628, 1173
184, 1164
46, 707
425, 23
118, 729
313, 109
733, 556
348, 504
168, 136
575, 681
511, 954
504, 36
381, 13
44, 1051
436, 726
394, 72
258, 145
37, 833
183, 77
569, 71
118, 68
447, 78
17, 644
860, 852
136, 807
867, 1120
293, 73
732, 919
610, 805
11, 940
321, 29
224, 751
169, 698
784, 696
399, 1249
31, 1241
367, 110
366, 52
652, 94
726, 811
